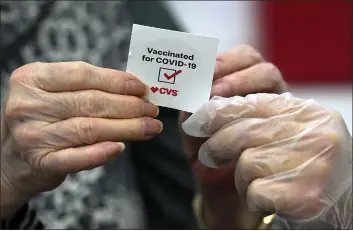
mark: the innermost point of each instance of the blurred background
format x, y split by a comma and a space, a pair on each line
310, 41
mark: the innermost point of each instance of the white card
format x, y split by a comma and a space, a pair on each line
176, 66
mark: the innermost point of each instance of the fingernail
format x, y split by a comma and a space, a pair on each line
135, 87
151, 110
152, 127
205, 157
112, 155
157, 111
122, 146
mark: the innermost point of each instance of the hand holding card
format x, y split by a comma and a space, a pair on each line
178, 67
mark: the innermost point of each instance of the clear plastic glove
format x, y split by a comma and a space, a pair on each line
293, 157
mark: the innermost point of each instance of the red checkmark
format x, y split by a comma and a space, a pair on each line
172, 75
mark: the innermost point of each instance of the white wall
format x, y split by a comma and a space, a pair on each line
230, 21
234, 22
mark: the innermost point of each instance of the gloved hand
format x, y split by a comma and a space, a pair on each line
62, 118
240, 71
292, 156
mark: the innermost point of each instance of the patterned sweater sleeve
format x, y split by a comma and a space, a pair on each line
25, 218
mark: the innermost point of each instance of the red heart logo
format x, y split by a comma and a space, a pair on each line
154, 89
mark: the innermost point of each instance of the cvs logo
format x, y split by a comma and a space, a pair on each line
164, 91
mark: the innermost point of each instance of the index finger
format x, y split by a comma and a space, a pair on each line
219, 111
76, 76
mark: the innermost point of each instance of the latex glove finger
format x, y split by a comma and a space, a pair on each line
219, 111
231, 140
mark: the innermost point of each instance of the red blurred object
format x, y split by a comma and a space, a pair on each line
310, 41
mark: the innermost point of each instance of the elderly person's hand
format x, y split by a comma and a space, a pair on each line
241, 71
62, 118
292, 156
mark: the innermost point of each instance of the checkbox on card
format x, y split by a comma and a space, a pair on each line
167, 75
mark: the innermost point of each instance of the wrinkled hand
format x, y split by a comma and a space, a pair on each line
62, 118
293, 157
241, 71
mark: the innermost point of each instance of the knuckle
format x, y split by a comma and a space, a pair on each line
18, 108
88, 103
80, 65
29, 74
21, 74
250, 53
85, 130
141, 108
14, 108
125, 78
78, 69
24, 135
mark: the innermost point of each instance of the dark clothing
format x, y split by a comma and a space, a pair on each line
150, 185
